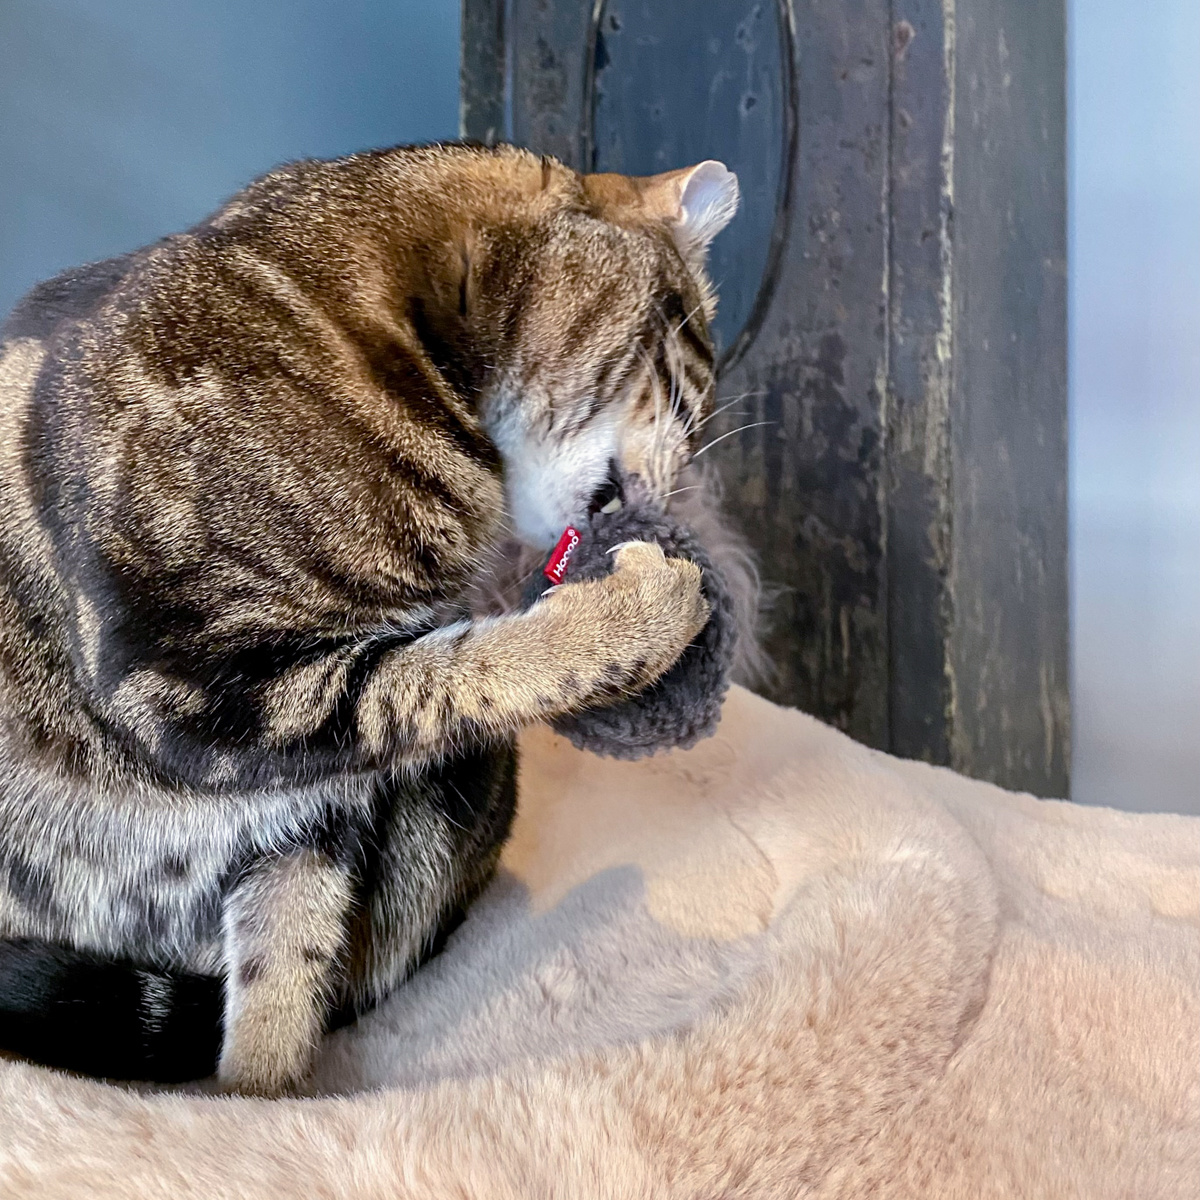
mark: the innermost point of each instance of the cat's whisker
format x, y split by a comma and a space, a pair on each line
696, 426
676, 401
658, 435
743, 395
725, 402
739, 429
679, 328
728, 405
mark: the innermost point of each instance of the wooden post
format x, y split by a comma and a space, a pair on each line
893, 312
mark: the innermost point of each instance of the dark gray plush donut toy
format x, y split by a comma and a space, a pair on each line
685, 704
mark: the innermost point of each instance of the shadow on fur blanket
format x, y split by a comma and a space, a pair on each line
774, 965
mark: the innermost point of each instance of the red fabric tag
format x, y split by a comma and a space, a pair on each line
556, 569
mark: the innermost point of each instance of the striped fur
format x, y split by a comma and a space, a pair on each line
249, 479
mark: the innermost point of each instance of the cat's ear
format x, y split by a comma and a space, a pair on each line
703, 199
695, 202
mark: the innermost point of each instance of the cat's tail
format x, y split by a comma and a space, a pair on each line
101, 1016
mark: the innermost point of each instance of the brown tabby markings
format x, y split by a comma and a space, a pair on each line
249, 477
285, 926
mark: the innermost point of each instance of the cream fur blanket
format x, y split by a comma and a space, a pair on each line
775, 965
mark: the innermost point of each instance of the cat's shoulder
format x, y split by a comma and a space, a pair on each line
73, 295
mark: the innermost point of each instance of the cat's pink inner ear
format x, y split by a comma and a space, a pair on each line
708, 201
697, 202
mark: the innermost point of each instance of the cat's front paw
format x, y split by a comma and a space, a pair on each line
668, 588
657, 605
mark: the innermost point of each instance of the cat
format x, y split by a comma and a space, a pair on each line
255, 752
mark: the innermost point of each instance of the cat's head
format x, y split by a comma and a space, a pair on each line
597, 307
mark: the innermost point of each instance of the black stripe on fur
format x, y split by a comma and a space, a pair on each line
66, 1008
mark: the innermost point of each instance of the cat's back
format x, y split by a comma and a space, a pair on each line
239, 429
38, 704
272, 362
71, 295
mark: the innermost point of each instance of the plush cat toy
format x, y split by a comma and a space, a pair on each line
684, 706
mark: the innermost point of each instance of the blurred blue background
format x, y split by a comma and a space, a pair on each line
121, 120
1135, 401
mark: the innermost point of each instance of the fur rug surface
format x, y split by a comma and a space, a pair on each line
774, 965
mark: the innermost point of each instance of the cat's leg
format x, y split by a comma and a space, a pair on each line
408, 698
434, 847
581, 645
284, 931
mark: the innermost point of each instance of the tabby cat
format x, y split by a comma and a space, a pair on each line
254, 750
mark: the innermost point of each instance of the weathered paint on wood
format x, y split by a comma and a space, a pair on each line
483, 85
740, 106
894, 316
1008, 422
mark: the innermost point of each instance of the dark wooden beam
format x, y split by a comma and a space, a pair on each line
1009, 653
482, 84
